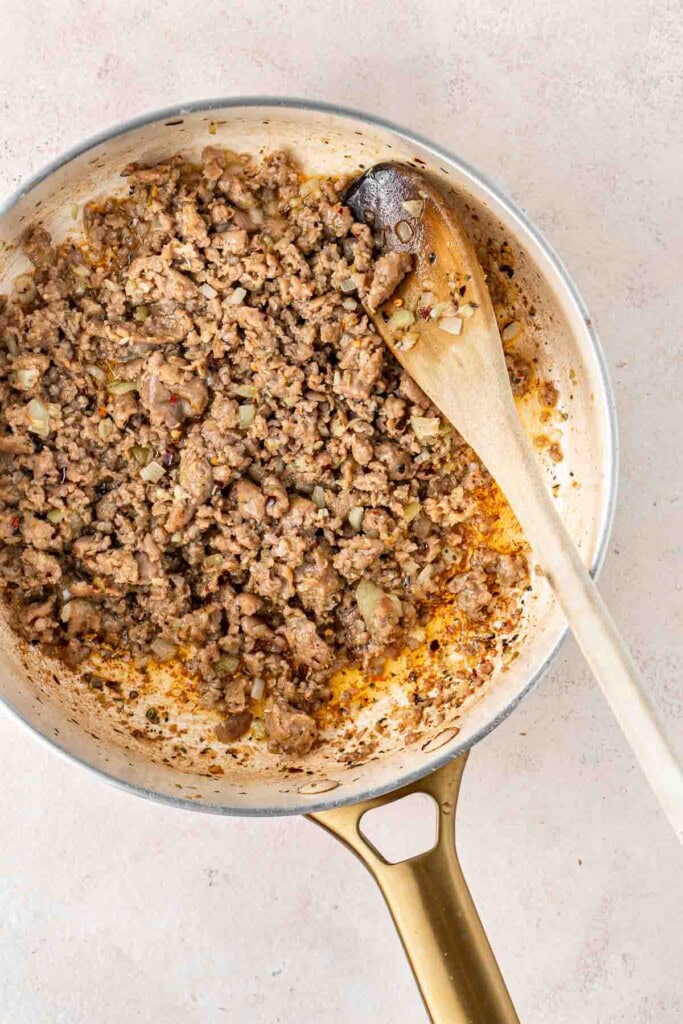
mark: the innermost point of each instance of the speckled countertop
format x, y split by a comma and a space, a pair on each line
113, 909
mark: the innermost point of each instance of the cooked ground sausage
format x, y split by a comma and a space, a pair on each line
202, 437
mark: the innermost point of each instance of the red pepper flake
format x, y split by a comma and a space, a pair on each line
425, 312
102, 410
15, 522
173, 399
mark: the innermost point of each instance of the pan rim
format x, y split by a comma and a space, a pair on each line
574, 296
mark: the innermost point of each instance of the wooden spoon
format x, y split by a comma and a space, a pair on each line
458, 361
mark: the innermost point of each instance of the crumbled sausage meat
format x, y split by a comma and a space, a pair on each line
199, 439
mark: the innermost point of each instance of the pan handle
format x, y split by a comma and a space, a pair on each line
432, 908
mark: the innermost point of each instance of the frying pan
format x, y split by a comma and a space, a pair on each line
379, 750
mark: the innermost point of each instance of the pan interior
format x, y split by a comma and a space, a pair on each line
373, 738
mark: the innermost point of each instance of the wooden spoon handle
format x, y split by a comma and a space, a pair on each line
513, 464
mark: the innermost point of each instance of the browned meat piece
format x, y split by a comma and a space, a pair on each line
37, 617
362, 450
397, 461
38, 533
251, 501
191, 224
306, 646
386, 617
234, 727
301, 517
237, 191
473, 595
81, 618
233, 241
248, 604
213, 162
121, 565
42, 569
15, 446
195, 474
361, 361
289, 730
278, 502
38, 247
318, 584
390, 270
511, 570
356, 555
122, 408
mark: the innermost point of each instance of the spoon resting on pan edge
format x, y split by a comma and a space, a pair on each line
458, 361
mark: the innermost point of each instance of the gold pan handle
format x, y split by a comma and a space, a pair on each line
433, 910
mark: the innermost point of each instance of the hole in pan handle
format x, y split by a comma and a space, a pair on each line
432, 908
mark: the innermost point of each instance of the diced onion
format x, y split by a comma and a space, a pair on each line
55, 515
38, 418
106, 429
349, 304
246, 390
442, 309
349, 285
426, 300
226, 664
401, 319
355, 517
408, 341
247, 416
413, 206
426, 428
163, 649
96, 373
66, 612
258, 688
141, 455
411, 511
152, 472
404, 231
312, 185
140, 313
237, 297
368, 595
207, 290
25, 289
121, 387
26, 379
424, 576
511, 331
451, 324
215, 560
318, 496
468, 310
